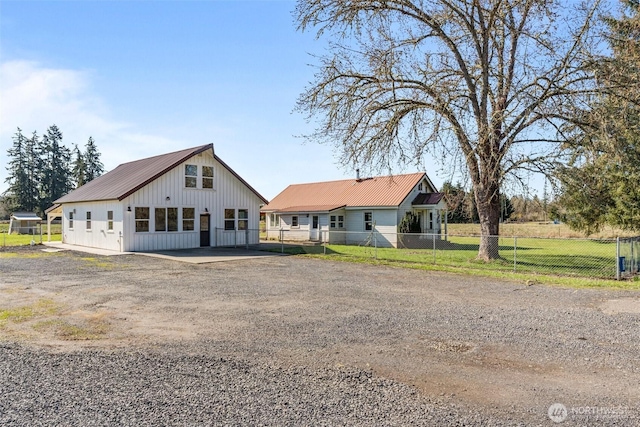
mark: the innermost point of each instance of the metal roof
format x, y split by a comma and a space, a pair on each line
128, 178
427, 199
381, 191
25, 216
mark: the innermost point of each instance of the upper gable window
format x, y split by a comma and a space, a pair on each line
420, 187
190, 176
207, 176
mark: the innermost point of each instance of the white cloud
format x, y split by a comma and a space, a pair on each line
34, 97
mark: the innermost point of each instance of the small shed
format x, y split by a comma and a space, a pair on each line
24, 223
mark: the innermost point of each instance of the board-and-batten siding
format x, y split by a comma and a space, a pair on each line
99, 236
168, 191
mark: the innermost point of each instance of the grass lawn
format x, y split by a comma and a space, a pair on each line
25, 239
558, 259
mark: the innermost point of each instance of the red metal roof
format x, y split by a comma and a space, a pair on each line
377, 191
128, 178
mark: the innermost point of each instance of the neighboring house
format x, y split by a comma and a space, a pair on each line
24, 223
185, 199
349, 211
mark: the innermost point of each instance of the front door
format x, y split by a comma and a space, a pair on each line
205, 235
315, 225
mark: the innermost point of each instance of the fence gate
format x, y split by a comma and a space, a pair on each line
628, 256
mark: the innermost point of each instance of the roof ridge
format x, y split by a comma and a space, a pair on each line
359, 180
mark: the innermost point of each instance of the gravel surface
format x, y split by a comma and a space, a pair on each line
131, 340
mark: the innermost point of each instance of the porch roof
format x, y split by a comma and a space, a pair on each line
427, 199
305, 209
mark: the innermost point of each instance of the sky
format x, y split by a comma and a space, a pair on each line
149, 77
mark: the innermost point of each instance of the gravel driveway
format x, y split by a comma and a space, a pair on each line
132, 340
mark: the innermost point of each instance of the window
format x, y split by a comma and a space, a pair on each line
315, 222
172, 219
332, 221
294, 221
188, 218
368, 221
71, 220
431, 220
243, 219
420, 187
207, 177
229, 219
340, 221
274, 220
142, 220
166, 219
161, 219
190, 176
110, 220
88, 220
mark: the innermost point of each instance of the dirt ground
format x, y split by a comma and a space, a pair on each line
484, 344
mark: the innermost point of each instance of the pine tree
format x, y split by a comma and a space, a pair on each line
56, 176
93, 166
17, 197
79, 171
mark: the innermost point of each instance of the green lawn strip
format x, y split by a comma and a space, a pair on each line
25, 239
579, 263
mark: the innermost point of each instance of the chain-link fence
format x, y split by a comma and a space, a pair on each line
236, 238
594, 258
628, 257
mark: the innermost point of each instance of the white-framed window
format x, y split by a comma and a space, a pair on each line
88, 220
275, 220
188, 219
110, 220
420, 187
294, 221
332, 221
229, 219
191, 176
166, 219
340, 221
71, 220
142, 219
430, 220
243, 219
368, 221
207, 177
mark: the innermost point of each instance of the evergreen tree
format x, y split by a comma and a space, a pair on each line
56, 176
94, 167
79, 171
17, 198
600, 186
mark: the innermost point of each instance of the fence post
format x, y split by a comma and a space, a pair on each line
617, 258
375, 244
434, 248
246, 237
281, 242
324, 243
515, 252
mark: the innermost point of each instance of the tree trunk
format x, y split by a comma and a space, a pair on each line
488, 203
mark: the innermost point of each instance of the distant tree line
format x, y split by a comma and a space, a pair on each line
462, 207
42, 169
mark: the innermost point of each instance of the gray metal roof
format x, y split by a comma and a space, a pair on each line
128, 178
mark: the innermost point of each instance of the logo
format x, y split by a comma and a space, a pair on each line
557, 412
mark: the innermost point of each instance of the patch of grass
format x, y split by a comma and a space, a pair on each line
97, 262
42, 307
91, 328
29, 255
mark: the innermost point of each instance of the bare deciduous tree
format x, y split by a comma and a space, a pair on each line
492, 79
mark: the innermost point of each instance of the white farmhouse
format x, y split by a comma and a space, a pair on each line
354, 211
185, 199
